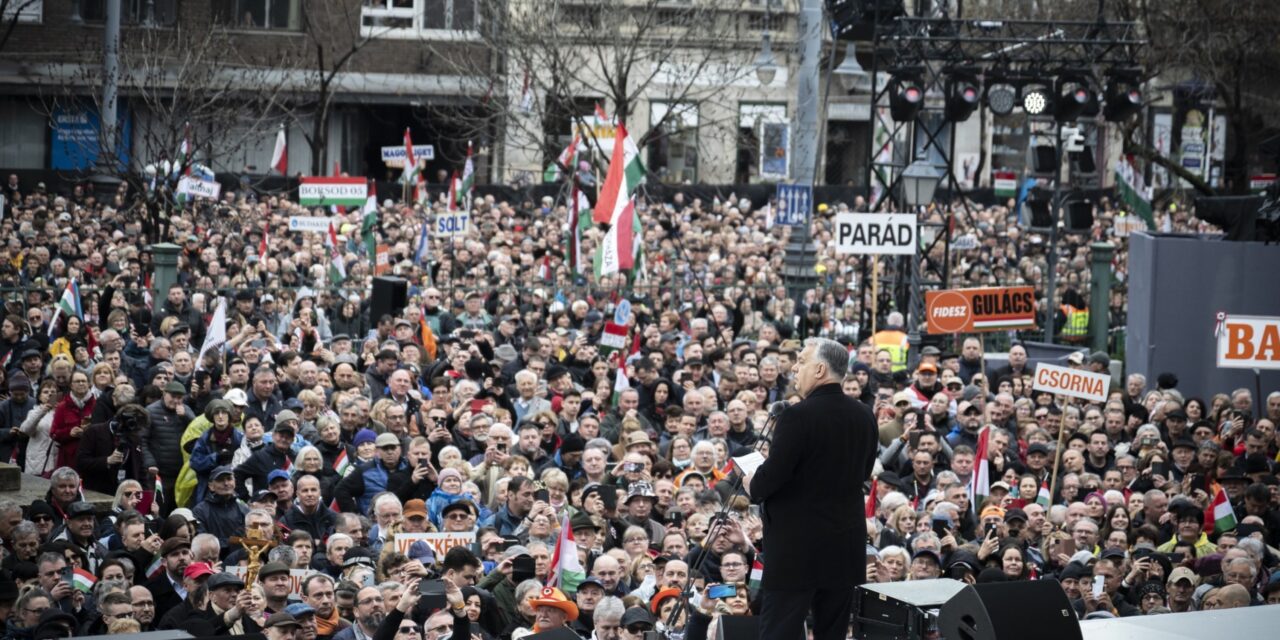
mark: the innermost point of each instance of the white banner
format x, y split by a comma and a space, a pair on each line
1249, 342
393, 157
452, 223
315, 224
199, 188
1076, 383
440, 543
876, 233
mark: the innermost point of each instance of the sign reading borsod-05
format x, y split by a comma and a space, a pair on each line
984, 309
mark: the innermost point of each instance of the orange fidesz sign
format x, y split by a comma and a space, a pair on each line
986, 309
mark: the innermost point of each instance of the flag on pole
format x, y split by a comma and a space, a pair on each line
337, 264
262, 244
468, 181
280, 155
158, 490
565, 161
617, 207
620, 382
1023, 191
869, 510
600, 113
68, 305
756, 580
410, 161
626, 173
370, 221
544, 268
82, 580
216, 336
980, 486
1133, 190
1224, 517
566, 570
526, 93
1042, 497
579, 222
452, 203
156, 568
423, 253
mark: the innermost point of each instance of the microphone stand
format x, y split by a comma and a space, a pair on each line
719, 520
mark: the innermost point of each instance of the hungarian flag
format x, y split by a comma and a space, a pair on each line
68, 305
337, 264
1043, 498
620, 381
262, 245
156, 568
451, 202
158, 489
342, 464
280, 155
578, 223
756, 579
870, 510
82, 580
1133, 190
980, 486
600, 113
617, 206
410, 161
566, 161
544, 268
1221, 513
566, 570
468, 181
370, 221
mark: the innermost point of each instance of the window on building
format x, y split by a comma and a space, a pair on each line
157, 12
419, 18
752, 119
672, 152
259, 14
25, 132
24, 11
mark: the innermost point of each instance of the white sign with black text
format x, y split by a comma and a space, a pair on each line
876, 233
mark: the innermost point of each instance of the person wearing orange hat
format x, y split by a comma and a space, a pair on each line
925, 385
552, 609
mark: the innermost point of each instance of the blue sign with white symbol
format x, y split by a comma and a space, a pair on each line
795, 201
623, 312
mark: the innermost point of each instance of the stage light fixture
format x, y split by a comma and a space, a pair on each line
1073, 97
906, 97
963, 96
1123, 95
1035, 100
1002, 98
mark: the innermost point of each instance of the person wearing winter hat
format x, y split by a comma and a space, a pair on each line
13, 411
447, 491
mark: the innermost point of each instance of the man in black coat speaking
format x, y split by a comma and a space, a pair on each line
810, 489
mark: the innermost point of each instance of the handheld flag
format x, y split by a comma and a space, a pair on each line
82, 580
1042, 497
468, 181
369, 224
216, 336
1224, 517
410, 161
423, 252
68, 305
980, 486
566, 570
342, 464
337, 264
756, 580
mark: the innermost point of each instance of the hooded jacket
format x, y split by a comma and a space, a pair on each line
222, 516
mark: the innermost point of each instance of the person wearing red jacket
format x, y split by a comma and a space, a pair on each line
71, 418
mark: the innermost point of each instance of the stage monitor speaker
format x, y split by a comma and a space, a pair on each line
390, 295
900, 610
1009, 610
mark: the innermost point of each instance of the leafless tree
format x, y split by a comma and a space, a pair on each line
552, 58
12, 13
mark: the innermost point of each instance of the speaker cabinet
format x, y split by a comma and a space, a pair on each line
1009, 611
390, 295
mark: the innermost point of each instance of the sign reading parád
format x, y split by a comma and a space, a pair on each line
876, 233
326, 191
1248, 342
985, 309
1075, 383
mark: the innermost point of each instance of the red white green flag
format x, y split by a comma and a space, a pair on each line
566, 569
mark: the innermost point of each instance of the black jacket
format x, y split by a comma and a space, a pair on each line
810, 491
256, 468
96, 445
318, 524
220, 516
162, 443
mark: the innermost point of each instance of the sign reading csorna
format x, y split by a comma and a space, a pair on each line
986, 309
1076, 383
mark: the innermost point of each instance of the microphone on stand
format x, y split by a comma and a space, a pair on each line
777, 408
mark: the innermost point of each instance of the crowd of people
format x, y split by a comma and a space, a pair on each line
494, 404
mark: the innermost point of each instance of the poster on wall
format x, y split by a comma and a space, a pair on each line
73, 144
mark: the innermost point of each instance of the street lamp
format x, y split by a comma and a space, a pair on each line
766, 65
919, 182
851, 76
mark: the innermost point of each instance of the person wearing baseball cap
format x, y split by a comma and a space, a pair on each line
1181, 586
552, 610
194, 576
925, 385
276, 455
